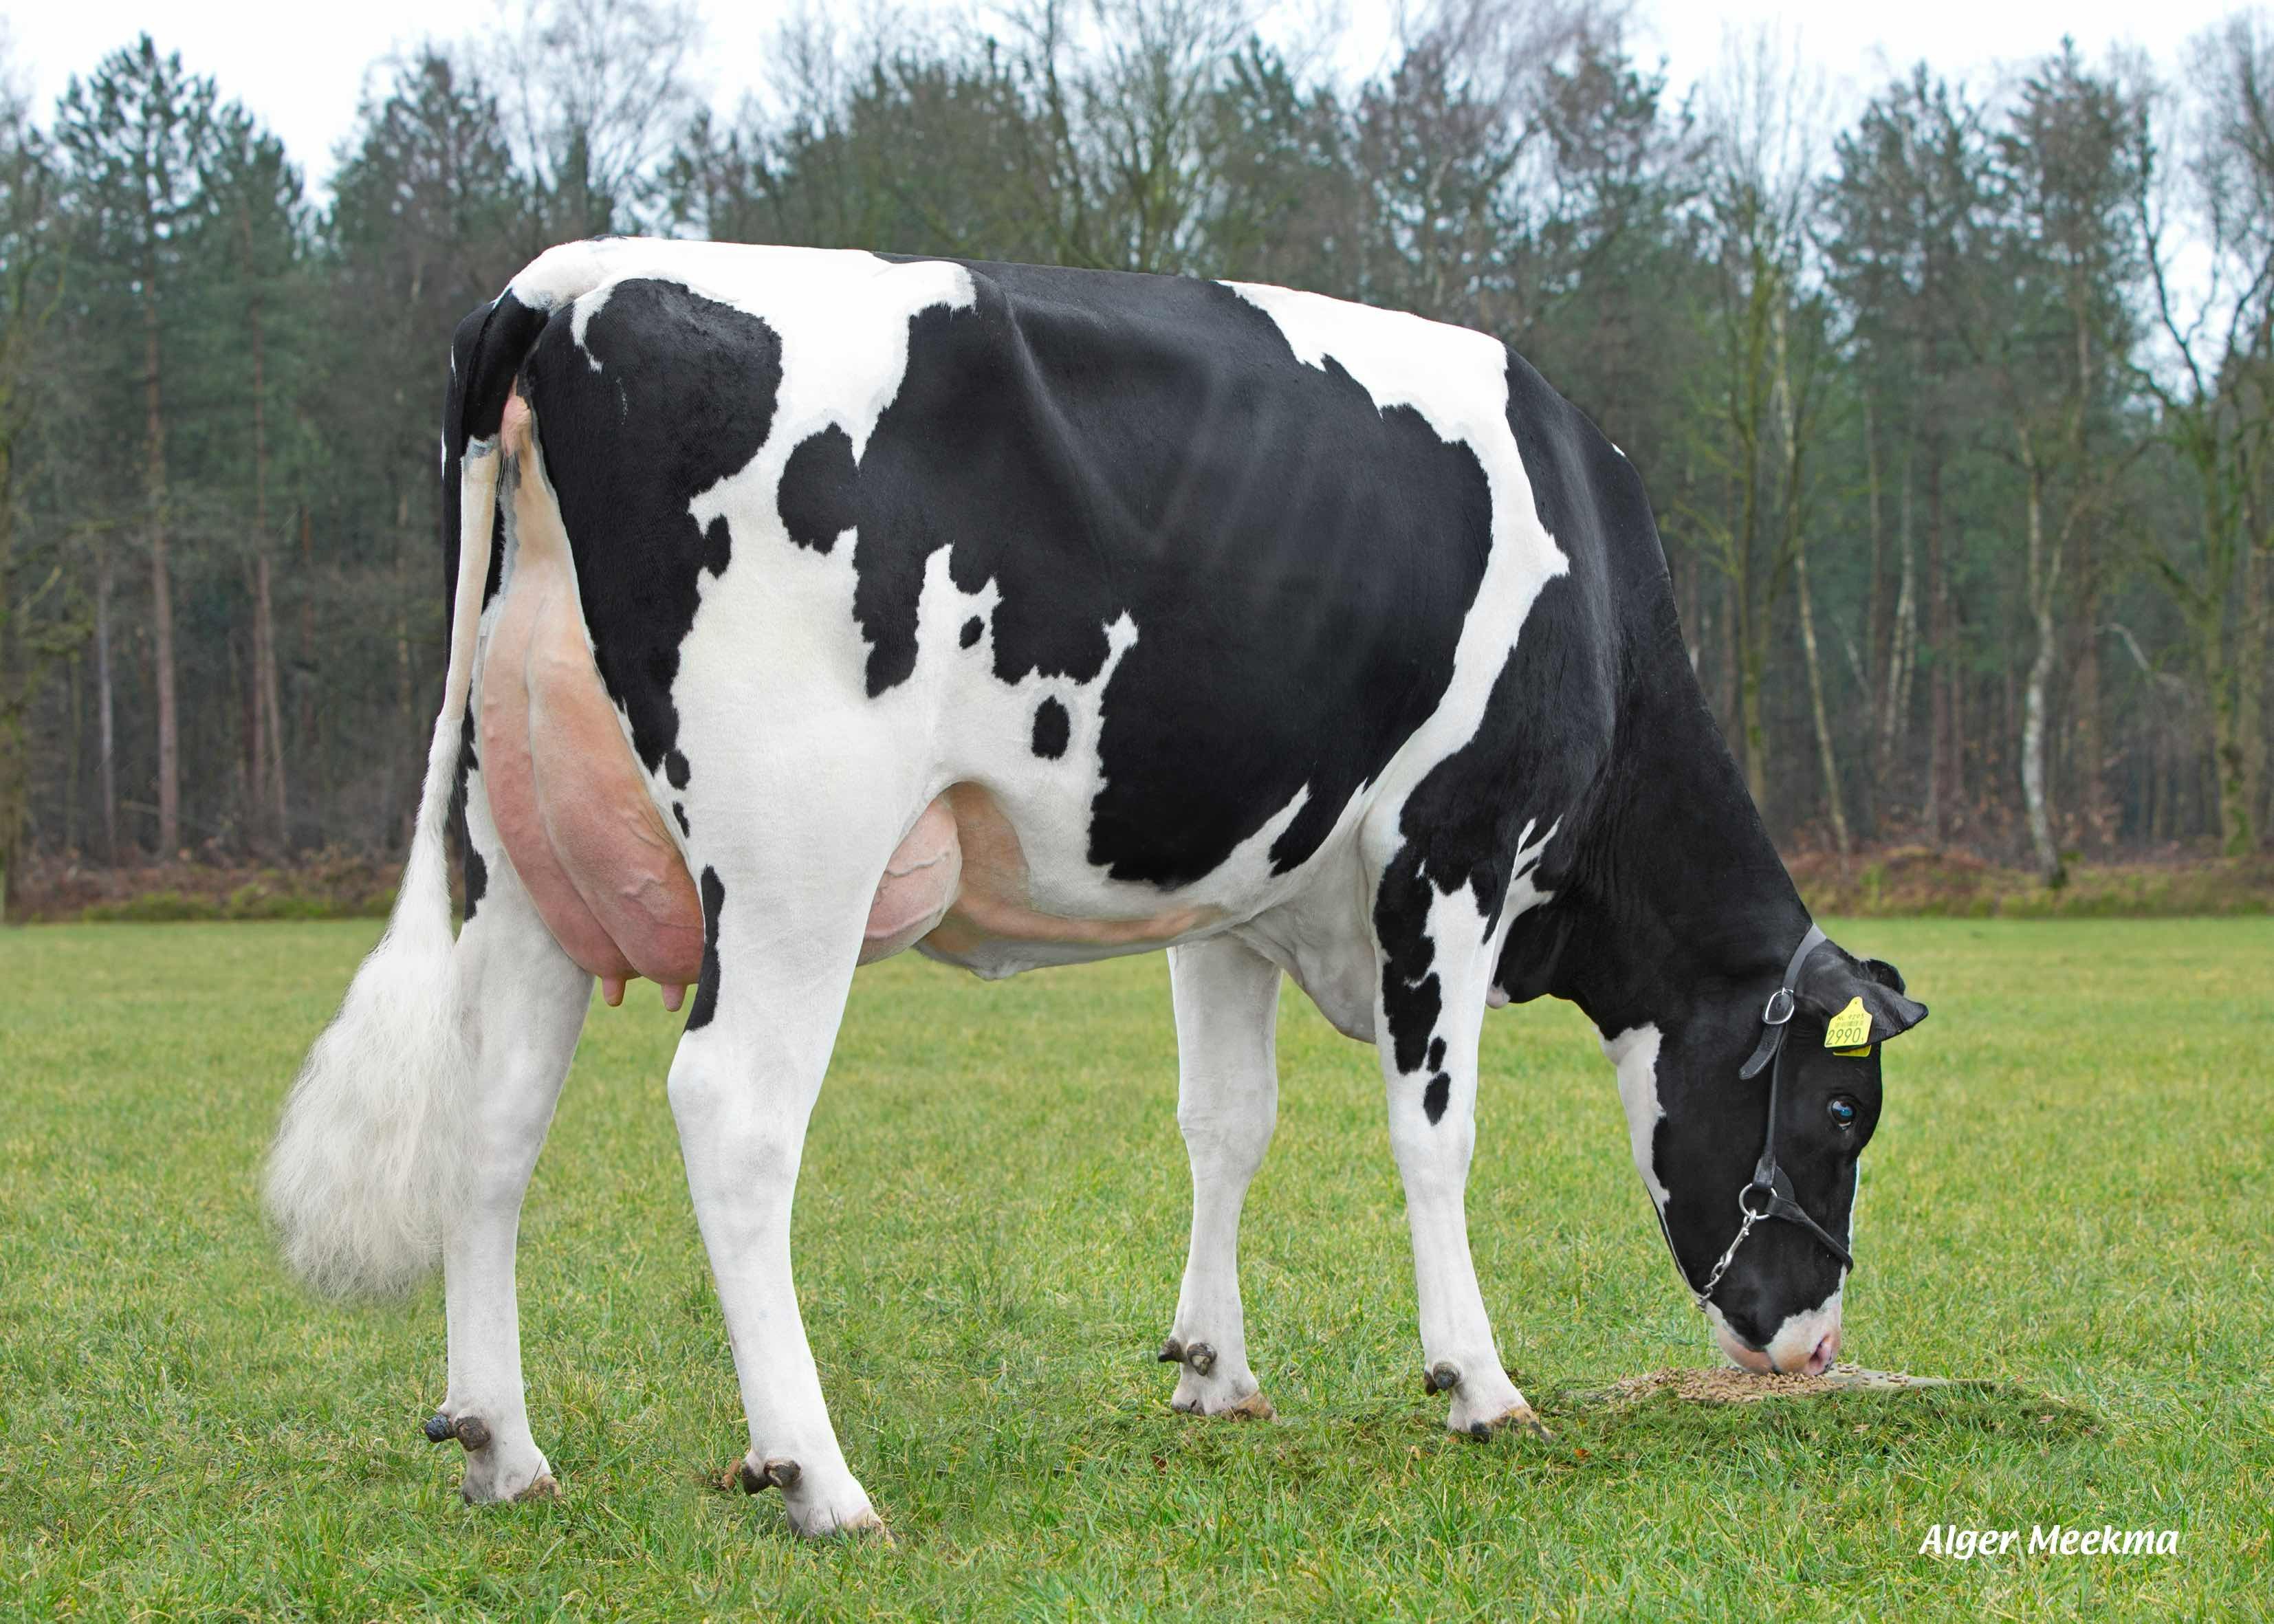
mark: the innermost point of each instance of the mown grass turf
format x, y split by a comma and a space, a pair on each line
2069, 1195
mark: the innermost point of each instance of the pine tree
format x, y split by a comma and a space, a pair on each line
135, 135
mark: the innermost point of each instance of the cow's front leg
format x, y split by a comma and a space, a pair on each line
777, 963
1227, 1002
1434, 960
525, 1003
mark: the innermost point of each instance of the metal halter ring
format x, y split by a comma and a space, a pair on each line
1779, 1008
1769, 1201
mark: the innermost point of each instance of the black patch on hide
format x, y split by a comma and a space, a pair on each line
1052, 727
1298, 562
683, 395
816, 499
706, 985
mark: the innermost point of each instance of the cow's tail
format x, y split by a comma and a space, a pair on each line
371, 1157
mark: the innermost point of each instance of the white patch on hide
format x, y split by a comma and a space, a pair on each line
1635, 1052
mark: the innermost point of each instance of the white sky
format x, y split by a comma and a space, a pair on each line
300, 67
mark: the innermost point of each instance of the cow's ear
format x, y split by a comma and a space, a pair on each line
1834, 983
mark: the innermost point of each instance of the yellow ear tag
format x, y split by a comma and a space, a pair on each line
1851, 1028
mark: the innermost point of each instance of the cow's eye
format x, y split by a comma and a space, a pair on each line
1843, 1112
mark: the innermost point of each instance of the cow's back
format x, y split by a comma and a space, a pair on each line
1173, 570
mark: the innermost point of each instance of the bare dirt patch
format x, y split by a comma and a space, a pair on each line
1727, 1386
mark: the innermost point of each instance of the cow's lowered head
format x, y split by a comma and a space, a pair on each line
1698, 1090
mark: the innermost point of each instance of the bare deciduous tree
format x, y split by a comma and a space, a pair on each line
596, 91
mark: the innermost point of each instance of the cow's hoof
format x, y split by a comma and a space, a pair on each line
1254, 1407
1485, 1401
852, 1520
499, 1468
861, 1525
819, 1509
1210, 1384
490, 1481
1520, 1419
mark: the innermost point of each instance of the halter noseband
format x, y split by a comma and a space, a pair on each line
1769, 1193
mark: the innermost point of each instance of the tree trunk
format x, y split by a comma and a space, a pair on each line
252, 749
1939, 789
2098, 816
2091, 773
399, 808
264, 613
256, 717
268, 718
2250, 688
103, 706
1796, 543
1832, 801
307, 680
407, 750
1902, 640
2043, 575
161, 585
1727, 674
1875, 639
1757, 755
1876, 625
2226, 743
74, 724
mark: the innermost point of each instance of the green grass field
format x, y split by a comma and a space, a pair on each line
2072, 1195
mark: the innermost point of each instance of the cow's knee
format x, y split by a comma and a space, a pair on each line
1227, 1142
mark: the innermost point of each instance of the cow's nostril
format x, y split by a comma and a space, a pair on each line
1819, 1358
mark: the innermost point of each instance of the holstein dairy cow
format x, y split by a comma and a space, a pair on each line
808, 606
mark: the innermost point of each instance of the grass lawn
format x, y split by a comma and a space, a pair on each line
2072, 1194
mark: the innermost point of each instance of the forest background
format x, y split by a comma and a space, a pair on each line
1957, 413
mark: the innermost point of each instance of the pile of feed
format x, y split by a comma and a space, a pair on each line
1727, 1385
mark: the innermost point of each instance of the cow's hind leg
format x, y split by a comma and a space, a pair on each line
1435, 956
783, 928
1227, 1000
525, 1003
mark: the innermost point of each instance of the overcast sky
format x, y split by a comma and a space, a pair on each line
301, 67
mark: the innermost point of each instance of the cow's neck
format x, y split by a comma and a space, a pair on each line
1673, 890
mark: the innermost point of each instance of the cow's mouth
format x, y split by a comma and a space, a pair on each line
1805, 1344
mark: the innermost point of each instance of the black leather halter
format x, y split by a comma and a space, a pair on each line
1769, 1193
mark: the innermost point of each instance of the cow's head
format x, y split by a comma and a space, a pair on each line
1699, 1126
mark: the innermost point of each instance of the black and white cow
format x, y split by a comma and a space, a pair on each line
812, 606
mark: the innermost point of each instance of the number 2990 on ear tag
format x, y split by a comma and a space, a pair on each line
1851, 1028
